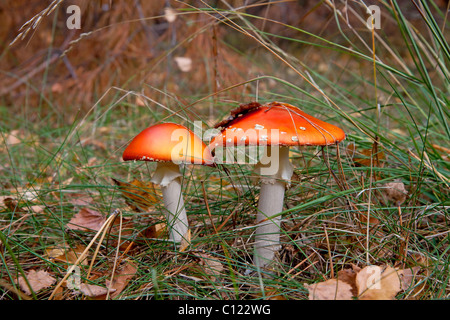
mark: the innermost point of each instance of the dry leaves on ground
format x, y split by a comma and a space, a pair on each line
92, 290
38, 280
365, 157
331, 289
368, 283
87, 219
394, 192
66, 254
120, 281
122, 278
211, 266
140, 196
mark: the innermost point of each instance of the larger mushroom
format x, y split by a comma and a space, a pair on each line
278, 126
170, 145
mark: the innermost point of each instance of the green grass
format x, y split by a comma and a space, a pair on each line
404, 111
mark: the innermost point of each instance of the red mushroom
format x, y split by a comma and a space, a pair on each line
277, 126
170, 144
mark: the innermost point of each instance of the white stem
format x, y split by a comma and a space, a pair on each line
271, 199
167, 175
175, 210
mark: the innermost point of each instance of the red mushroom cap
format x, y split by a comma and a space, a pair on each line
168, 142
275, 123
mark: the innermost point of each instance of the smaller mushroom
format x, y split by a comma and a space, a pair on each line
170, 145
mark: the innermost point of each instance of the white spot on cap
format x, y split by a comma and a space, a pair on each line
258, 126
294, 138
282, 132
302, 128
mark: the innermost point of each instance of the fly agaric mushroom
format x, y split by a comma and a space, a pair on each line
277, 126
170, 145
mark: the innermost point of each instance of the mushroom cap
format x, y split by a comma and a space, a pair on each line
168, 142
275, 123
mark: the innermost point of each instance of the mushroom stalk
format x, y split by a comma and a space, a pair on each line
167, 175
271, 199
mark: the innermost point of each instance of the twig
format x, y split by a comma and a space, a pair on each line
116, 258
329, 251
207, 207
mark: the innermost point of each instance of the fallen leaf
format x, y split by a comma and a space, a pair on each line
211, 266
122, 278
13, 205
138, 195
30, 195
37, 209
94, 143
140, 101
86, 219
12, 138
154, 231
275, 295
186, 241
184, 63
331, 289
67, 254
407, 276
38, 280
365, 157
92, 290
170, 14
377, 283
81, 200
368, 283
349, 276
394, 192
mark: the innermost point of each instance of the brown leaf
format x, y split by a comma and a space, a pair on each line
92, 290
184, 63
170, 14
154, 231
365, 157
331, 289
81, 199
368, 283
37, 209
407, 276
211, 266
376, 283
349, 276
86, 219
67, 254
13, 205
122, 278
13, 137
394, 192
94, 143
186, 241
38, 280
138, 195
